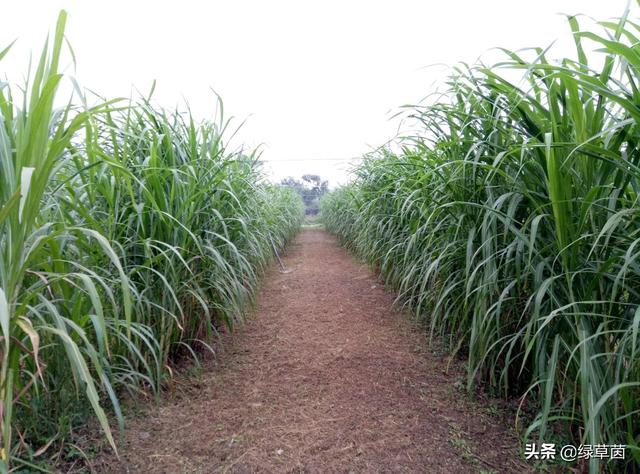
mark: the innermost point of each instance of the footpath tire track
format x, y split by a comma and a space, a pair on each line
325, 376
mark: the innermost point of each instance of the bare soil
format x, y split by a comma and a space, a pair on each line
325, 376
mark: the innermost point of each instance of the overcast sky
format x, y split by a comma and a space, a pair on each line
316, 81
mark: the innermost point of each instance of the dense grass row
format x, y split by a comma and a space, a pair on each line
128, 236
511, 226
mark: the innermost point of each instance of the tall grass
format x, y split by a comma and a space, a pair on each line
511, 226
128, 236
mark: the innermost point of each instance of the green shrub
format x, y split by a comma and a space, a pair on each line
128, 236
511, 227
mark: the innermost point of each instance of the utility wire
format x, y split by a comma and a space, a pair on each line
312, 159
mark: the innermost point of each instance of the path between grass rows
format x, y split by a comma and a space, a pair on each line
325, 376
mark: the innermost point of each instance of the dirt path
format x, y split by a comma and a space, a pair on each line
324, 377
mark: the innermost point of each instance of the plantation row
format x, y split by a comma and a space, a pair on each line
511, 226
128, 236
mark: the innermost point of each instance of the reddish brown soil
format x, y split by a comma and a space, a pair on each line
325, 376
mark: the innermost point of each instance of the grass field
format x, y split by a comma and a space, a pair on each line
511, 226
129, 235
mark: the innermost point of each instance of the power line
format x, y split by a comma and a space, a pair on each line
312, 159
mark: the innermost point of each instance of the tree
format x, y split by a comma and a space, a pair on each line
311, 189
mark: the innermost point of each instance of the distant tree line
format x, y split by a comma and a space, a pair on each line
311, 188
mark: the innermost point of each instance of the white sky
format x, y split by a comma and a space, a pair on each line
317, 81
